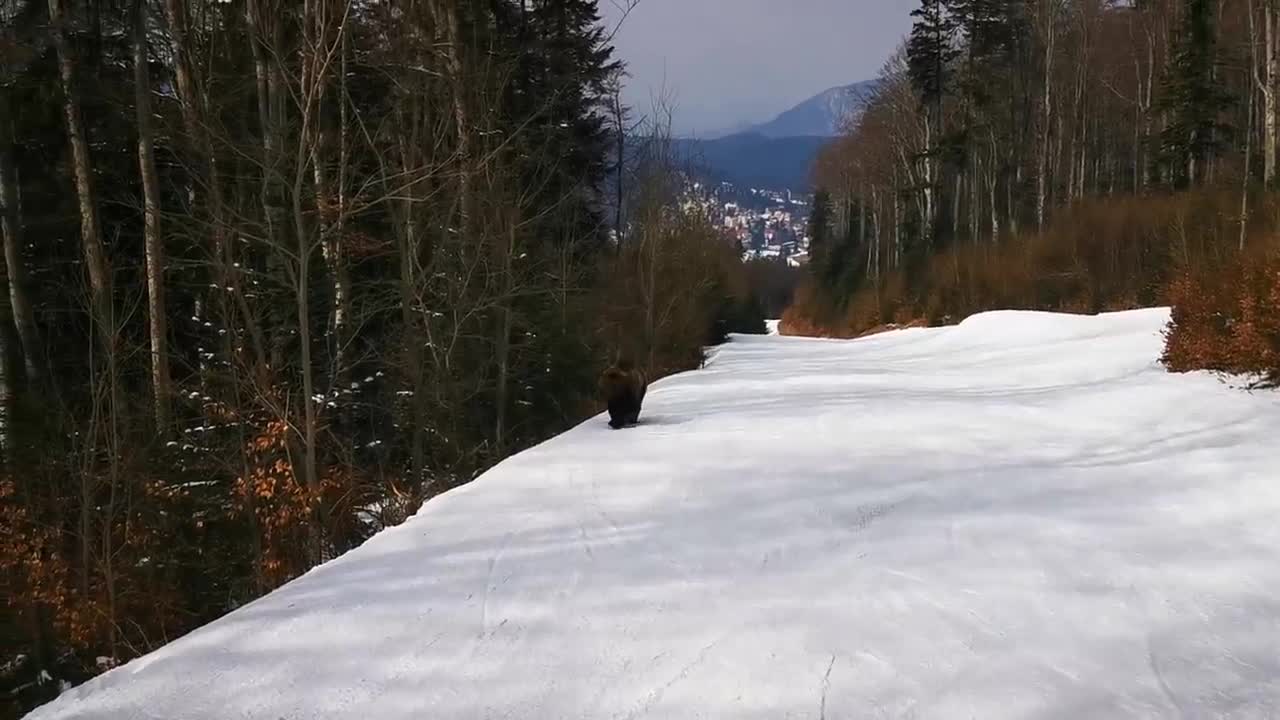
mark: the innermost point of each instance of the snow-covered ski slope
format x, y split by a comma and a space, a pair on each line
1022, 516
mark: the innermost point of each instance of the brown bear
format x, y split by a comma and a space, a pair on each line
623, 387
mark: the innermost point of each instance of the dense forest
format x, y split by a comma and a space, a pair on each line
1079, 155
276, 272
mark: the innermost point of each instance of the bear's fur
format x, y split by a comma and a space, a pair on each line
623, 388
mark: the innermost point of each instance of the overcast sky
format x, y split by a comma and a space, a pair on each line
730, 62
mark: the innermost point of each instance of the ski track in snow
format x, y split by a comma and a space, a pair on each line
1022, 516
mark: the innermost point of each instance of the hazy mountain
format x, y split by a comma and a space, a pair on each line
822, 115
739, 127
779, 154
753, 160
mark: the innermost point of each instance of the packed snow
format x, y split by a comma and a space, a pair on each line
1022, 516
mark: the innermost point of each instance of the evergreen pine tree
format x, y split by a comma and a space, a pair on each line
561, 84
930, 51
1193, 99
556, 106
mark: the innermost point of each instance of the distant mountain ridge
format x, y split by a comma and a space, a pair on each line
779, 154
753, 160
823, 115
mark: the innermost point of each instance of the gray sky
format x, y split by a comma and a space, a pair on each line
730, 62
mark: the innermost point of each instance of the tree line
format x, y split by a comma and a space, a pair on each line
1058, 154
276, 272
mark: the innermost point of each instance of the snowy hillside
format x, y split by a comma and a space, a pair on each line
825, 114
1019, 517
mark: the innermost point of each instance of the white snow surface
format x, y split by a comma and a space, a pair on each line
1022, 516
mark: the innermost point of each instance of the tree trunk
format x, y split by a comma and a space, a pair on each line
415, 337
302, 292
1271, 92
90, 232
331, 199
446, 18
414, 341
930, 189
335, 254
264, 35
11, 381
1046, 115
11, 224
100, 302
160, 384
100, 292
620, 132
1137, 133
896, 258
955, 207
1244, 183
993, 187
1268, 84
873, 252
503, 344
862, 223
1147, 95
308, 152
975, 195
1011, 206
